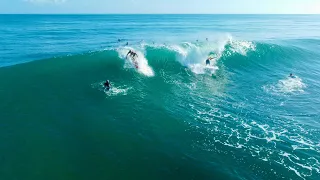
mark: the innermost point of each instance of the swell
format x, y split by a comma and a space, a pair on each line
231, 54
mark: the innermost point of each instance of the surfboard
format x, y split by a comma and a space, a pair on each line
136, 65
134, 62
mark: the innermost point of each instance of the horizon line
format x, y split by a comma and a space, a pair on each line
153, 14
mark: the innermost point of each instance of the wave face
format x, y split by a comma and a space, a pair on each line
173, 117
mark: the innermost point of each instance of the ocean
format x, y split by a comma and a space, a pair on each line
173, 117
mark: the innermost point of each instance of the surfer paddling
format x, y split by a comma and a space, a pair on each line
133, 56
107, 85
292, 76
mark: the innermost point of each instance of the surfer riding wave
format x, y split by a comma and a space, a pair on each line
133, 56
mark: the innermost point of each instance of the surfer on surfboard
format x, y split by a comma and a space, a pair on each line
208, 61
133, 56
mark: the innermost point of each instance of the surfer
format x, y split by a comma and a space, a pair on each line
127, 44
291, 75
107, 85
133, 56
208, 60
207, 39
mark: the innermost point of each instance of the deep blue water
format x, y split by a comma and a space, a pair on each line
242, 117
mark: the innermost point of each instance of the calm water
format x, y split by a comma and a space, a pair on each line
242, 117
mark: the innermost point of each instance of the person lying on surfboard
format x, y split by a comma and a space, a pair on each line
208, 60
133, 56
292, 76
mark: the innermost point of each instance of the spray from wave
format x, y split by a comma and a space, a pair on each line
190, 54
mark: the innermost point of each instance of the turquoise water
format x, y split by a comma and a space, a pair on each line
173, 118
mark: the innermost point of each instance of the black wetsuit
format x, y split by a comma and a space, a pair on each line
132, 54
107, 85
207, 62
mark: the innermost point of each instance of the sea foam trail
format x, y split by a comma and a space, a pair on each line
286, 86
113, 91
289, 85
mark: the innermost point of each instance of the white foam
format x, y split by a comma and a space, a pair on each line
295, 171
286, 86
114, 91
302, 141
249, 135
289, 85
236, 46
304, 166
242, 47
202, 69
193, 56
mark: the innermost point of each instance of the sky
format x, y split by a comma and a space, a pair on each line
160, 6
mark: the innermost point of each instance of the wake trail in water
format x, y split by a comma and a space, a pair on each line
113, 91
286, 86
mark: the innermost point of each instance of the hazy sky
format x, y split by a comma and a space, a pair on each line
161, 6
